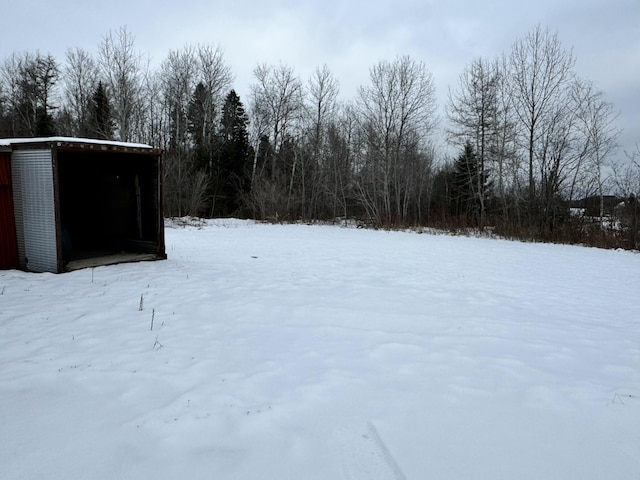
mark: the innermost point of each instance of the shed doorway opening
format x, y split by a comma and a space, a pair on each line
109, 207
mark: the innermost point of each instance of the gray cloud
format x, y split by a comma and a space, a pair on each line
350, 37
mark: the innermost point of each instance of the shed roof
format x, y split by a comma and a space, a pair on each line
77, 144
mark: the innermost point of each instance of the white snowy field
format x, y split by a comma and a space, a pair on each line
319, 352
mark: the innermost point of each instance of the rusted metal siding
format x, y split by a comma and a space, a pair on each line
33, 194
8, 241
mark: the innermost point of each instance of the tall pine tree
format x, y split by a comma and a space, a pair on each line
235, 154
470, 185
100, 121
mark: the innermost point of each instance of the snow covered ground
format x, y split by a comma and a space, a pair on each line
319, 352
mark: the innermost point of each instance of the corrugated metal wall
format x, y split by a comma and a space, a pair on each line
33, 193
8, 242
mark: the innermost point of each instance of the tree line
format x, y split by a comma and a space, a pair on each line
534, 141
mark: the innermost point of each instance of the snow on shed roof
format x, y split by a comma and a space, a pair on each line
7, 142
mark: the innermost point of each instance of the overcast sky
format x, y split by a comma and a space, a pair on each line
348, 36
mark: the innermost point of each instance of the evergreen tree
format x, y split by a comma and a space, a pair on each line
45, 125
48, 74
200, 125
264, 158
234, 154
469, 182
101, 121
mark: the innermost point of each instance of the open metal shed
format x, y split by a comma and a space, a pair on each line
69, 203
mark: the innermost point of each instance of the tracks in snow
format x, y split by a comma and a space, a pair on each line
364, 455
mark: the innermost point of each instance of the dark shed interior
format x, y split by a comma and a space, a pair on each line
8, 241
109, 203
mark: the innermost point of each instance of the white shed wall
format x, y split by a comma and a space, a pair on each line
34, 205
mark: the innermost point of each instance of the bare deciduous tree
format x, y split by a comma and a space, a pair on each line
540, 71
30, 83
192, 81
178, 74
627, 180
323, 90
474, 114
80, 81
321, 107
277, 101
276, 105
397, 111
216, 78
124, 69
596, 122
